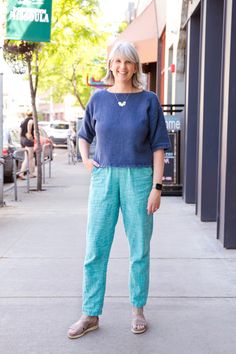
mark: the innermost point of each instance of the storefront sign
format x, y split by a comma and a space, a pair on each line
29, 20
174, 122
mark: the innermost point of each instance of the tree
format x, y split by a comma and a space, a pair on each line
27, 53
56, 63
77, 49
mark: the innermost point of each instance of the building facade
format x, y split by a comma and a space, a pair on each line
195, 66
210, 125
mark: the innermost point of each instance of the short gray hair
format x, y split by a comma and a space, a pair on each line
127, 50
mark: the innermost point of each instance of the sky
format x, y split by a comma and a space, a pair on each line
114, 10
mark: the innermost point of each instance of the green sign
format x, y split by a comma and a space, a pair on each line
29, 20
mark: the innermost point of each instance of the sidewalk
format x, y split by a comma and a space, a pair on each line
192, 303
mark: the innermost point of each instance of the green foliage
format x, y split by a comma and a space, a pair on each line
18, 53
122, 27
77, 49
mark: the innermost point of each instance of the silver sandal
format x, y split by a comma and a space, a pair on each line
82, 326
138, 320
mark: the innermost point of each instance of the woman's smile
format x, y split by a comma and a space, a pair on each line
123, 69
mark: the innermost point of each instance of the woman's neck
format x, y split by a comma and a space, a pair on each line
120, 88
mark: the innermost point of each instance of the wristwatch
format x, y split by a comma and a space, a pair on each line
157, 186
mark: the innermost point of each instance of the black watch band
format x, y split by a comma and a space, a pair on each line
157, 186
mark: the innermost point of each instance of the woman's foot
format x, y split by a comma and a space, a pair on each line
83, 325
21, 177
139, 324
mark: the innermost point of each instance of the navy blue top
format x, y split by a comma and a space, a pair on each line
125, 136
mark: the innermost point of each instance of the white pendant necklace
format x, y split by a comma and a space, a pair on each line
122, 103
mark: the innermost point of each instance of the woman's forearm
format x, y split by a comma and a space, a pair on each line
29, 130
158, 166
84, 149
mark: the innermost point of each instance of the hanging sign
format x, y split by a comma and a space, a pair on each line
29, 20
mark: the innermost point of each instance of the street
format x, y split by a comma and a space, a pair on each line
192, 303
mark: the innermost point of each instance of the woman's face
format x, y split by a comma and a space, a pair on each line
122, 69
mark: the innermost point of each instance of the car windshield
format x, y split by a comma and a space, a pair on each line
60, 126
44, 124
42, 132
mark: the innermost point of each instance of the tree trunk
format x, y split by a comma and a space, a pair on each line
36, 128
79, 99
74, 84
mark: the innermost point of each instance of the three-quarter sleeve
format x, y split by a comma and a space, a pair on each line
159, 138
87, 130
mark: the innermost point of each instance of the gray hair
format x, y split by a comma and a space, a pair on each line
127, 50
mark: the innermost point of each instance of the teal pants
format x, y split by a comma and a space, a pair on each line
111, 189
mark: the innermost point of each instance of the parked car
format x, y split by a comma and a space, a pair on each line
12, 144
59, 131
45, 140
7, 151
45, 125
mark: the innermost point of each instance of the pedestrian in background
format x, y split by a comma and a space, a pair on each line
27, 142
126, 174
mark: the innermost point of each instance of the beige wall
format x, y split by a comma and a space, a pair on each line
175, 41
172, 14
160, 12
141, 5
161, 15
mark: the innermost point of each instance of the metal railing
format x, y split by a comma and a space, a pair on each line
71, 151
17, 156
172, 108
2, 161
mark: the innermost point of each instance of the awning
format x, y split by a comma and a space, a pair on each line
143, 33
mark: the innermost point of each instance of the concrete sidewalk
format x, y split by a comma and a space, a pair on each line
192, 303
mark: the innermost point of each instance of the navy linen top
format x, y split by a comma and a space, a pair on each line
125, 136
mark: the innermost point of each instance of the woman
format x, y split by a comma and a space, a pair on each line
27, 142
126, 173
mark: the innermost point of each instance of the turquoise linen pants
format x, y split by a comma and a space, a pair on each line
111, 189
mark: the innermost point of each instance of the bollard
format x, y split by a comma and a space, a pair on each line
15, 177
48, 160
27, 172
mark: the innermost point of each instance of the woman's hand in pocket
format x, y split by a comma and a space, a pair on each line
89, 164
29, 136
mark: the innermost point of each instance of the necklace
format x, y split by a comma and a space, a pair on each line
122, 103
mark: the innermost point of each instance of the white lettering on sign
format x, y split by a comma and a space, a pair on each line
30, 2
29, 15
173, 124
